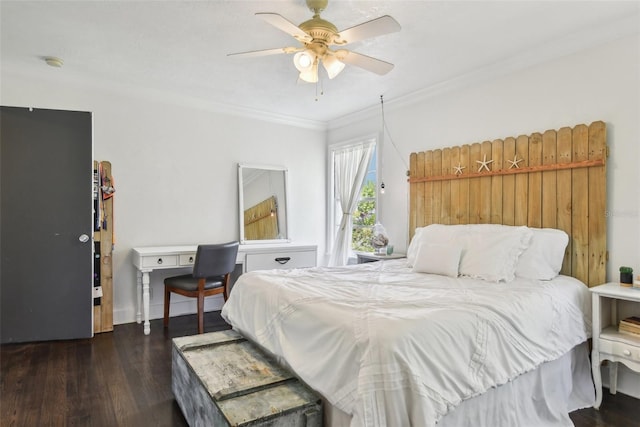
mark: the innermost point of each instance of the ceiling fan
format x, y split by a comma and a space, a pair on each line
318, 35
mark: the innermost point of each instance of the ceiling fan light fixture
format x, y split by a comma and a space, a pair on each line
311, 75
332, 65
304, 60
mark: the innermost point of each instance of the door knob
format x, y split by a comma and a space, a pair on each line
83, 238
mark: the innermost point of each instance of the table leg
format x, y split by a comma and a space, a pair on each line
613, 377
597, 377
595, 353
613, 366
145, 302
139, 297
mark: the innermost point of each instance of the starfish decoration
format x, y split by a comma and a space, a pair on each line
515, 162
484, 164
458, 169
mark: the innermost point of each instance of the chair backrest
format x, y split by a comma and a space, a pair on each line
215, 260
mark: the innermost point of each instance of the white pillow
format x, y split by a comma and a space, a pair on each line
437, 234
542, 260
491, 252
412, 250
437, 259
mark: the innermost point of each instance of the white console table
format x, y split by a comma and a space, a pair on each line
252, 257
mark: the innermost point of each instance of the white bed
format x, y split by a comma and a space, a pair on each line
388, 346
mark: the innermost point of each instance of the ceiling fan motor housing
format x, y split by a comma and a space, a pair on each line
320, 30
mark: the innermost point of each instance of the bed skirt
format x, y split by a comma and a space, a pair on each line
542, 397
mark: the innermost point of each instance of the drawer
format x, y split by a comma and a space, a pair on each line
160, 261
187, 259
620, 349
280, 259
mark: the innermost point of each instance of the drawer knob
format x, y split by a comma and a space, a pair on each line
283, 260
191, 259
159, 260
626, 352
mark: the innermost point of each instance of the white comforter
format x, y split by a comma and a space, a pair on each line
396, 348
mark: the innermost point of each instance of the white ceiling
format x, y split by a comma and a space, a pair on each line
180, 47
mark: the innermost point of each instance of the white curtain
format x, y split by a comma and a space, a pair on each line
350, 165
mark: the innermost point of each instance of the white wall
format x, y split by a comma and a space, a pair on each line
174, 164
602, 83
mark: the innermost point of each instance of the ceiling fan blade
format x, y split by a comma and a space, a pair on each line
285, 25
376, 27
365, 62
265, 52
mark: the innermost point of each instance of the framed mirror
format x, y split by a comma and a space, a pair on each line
262, 195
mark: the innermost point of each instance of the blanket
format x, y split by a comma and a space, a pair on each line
392, 347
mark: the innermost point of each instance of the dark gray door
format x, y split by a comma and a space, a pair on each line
46, 208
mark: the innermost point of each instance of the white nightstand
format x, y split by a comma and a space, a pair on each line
608, 343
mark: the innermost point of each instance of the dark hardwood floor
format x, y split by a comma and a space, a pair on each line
123, 378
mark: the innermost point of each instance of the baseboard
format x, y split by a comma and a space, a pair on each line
178, 308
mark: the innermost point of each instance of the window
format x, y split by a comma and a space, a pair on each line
364, 217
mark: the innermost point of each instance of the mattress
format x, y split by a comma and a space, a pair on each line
387, 346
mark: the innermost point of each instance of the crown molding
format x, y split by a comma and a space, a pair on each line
156, 96
554, 49
231, 109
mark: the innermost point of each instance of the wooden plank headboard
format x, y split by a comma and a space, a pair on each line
261, 220
554, 179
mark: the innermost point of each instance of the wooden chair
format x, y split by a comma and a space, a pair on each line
211, 274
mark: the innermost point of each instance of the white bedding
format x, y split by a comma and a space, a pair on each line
392, 347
